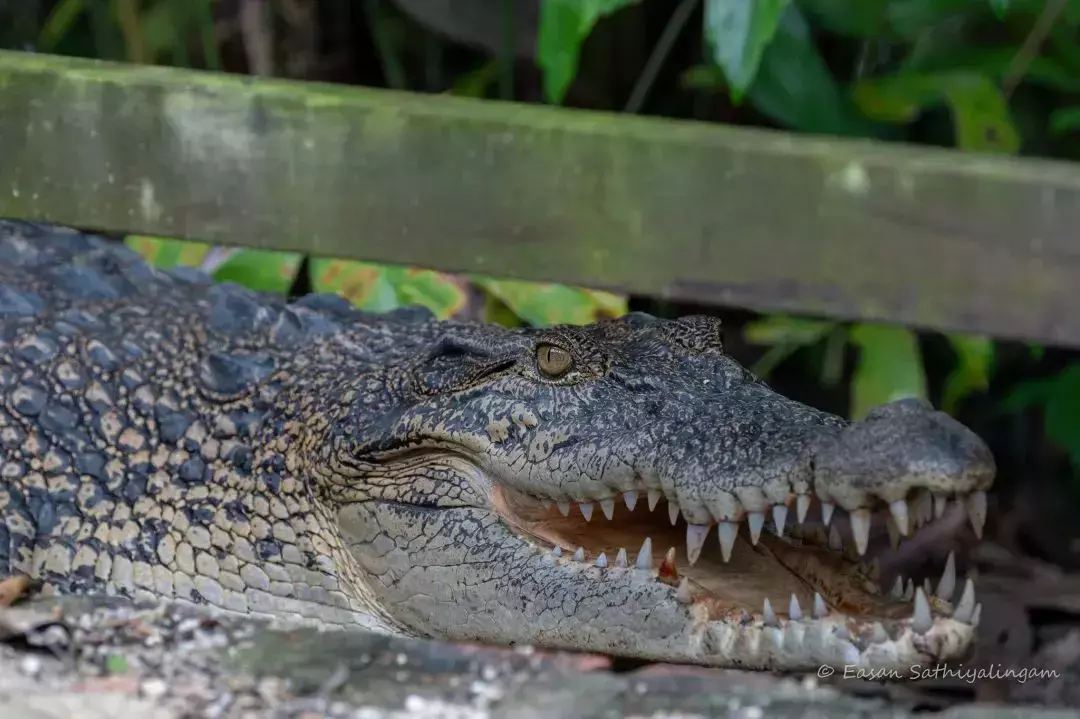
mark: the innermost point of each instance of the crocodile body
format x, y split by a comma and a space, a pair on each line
623, 487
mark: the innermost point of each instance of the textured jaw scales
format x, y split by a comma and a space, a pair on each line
790, 588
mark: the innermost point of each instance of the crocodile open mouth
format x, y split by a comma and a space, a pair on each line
802, 560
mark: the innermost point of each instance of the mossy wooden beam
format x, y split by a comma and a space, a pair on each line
759, 219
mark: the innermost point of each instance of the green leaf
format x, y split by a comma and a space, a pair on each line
541, 304
889, 368
737, 33
59, 23
564, 26
1029, 393
1062, 417
980, 112
864, 19
783, 329
1065, 120
380, 288
261, 270
996, 64
164, 253
1000, 8
795, 88
786, 335
974, 356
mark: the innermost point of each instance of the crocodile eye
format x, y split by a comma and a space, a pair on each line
553, 361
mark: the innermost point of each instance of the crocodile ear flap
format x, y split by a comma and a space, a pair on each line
456, 363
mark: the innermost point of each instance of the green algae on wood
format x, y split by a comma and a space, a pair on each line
766, 220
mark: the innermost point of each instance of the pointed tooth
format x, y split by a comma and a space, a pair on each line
921, 620
695, 540
601, 561
976, 615
899, 511
894, 532
545, 503
878, 634
727, 532
667, 567
794, 610
821, 610
769, 616
827, 509
836, 543
607, 506
644, 555
976, 511
579, 555
620, 558
909, 590
653, 496
586, 510
927, 587
556, 551
897, 591
940, 502
755, 520
802, 506
779, 515
564, 508
630, 498
947, 584
673, 512
682, 594
860, 529
965, 608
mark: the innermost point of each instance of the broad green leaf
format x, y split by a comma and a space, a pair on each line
1029, 393
980, 112
783, 329
261, 270
795, 88
564, 26
974, 356
165, 253
865, 18
542, 304
737, 33
1065, 120
1063, 412
380, 288
996, 63
889, 367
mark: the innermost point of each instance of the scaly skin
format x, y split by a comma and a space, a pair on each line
166, 437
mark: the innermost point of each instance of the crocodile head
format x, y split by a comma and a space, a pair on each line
628, 488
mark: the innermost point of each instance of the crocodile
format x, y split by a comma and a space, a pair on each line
624, 487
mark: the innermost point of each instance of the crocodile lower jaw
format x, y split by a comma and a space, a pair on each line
766, 598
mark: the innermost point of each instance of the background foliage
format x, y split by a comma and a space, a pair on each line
990, 76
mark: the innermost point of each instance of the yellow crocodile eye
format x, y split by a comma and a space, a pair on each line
553, 361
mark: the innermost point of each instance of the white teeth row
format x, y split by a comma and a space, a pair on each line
642, 561
904, 516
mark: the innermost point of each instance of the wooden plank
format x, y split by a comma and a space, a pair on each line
764, 220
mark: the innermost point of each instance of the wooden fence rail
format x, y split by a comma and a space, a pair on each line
765, 220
